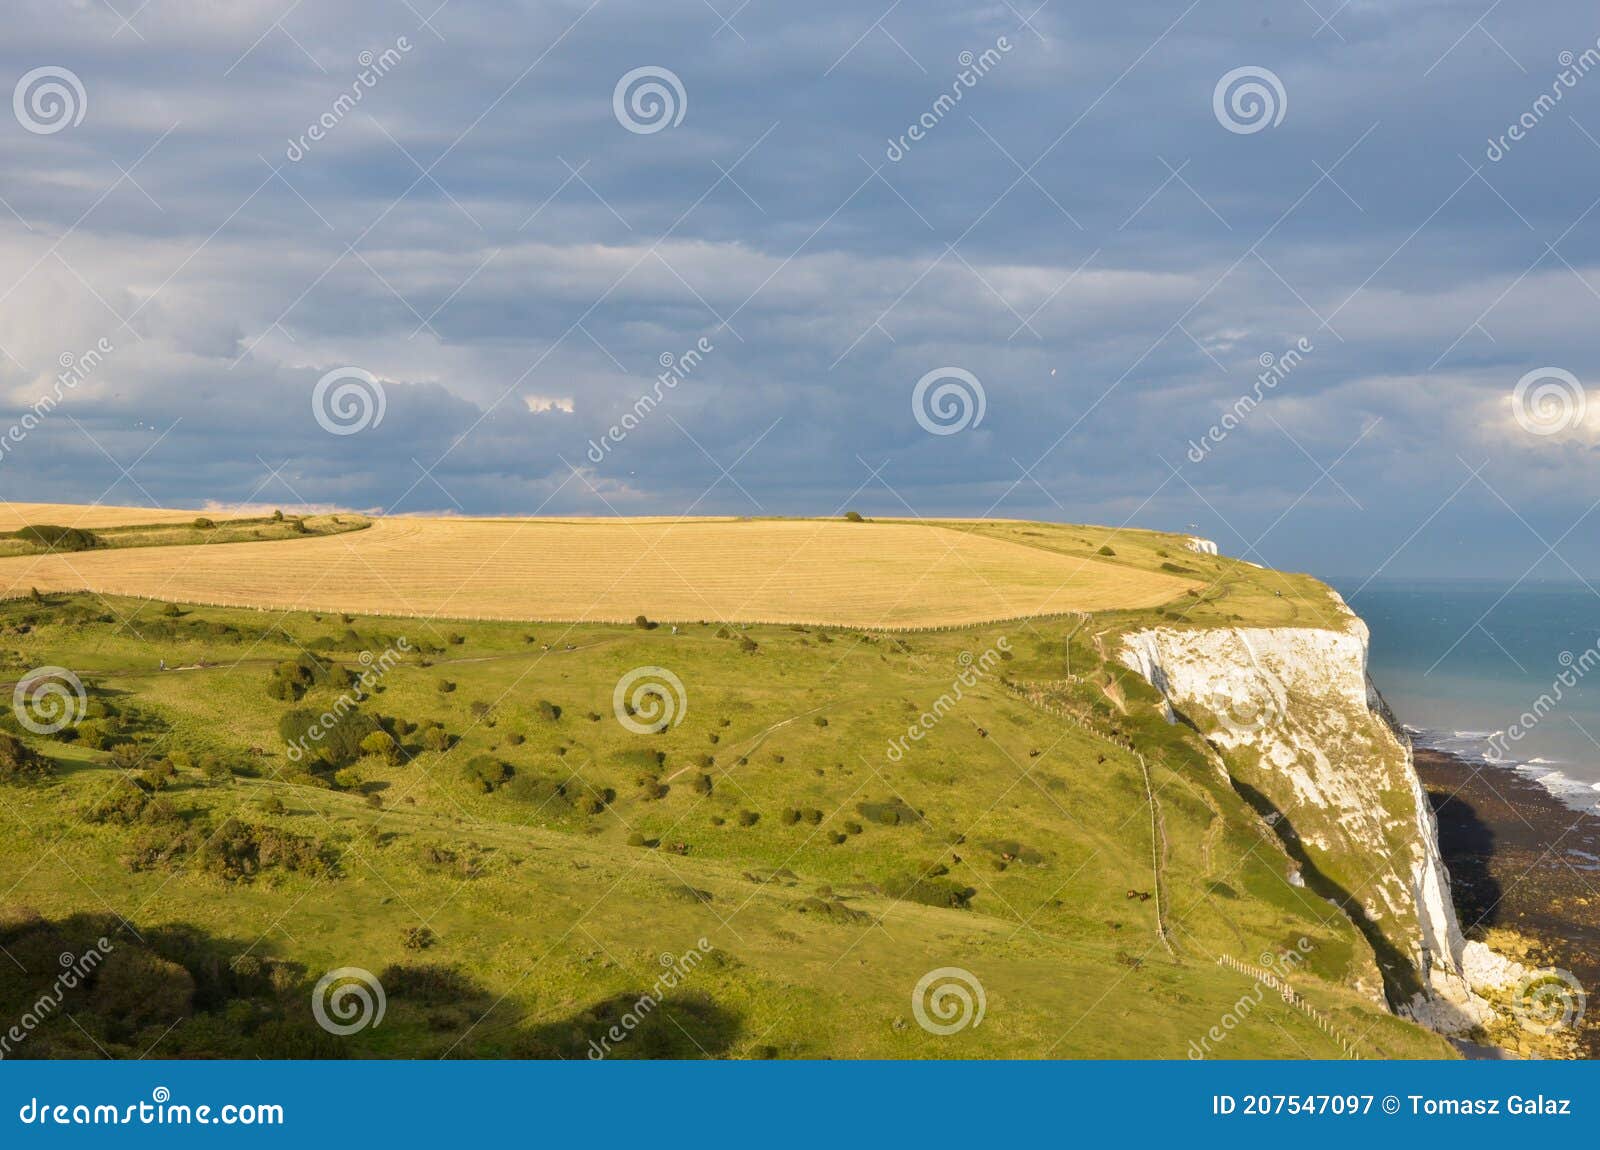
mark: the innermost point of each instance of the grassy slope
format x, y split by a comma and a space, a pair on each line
1235, 593
560, 913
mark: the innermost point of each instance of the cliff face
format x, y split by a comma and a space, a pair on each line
1303, 738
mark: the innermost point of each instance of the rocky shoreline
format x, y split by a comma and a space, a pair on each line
1524, 870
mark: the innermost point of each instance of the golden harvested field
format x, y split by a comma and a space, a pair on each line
801, 571
18, 515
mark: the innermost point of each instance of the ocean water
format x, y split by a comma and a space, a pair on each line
1493, 673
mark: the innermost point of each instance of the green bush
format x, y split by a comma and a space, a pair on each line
292, 678
238, 851
128, 804
426, 984
486, 773
382, 745
59, 538
929, 890
748, 818
20, 763
134, 988
893, 813
546, 793
158, 775
126, 756
333, 745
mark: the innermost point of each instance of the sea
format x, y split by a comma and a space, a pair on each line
1493, 672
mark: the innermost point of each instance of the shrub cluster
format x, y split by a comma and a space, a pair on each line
893, 813
20, 763
485, 773
292, 678
335, 744
59, 538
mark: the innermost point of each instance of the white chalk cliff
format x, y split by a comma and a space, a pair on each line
1295, 719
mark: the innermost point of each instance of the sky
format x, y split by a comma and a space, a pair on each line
746, 258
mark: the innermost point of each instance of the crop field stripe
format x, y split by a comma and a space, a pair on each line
821, 573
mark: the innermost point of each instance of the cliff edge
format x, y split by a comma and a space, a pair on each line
1307, 741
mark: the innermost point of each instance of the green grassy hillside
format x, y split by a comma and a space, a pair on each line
520, 865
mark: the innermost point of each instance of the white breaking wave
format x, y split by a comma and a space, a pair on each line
1477, 747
